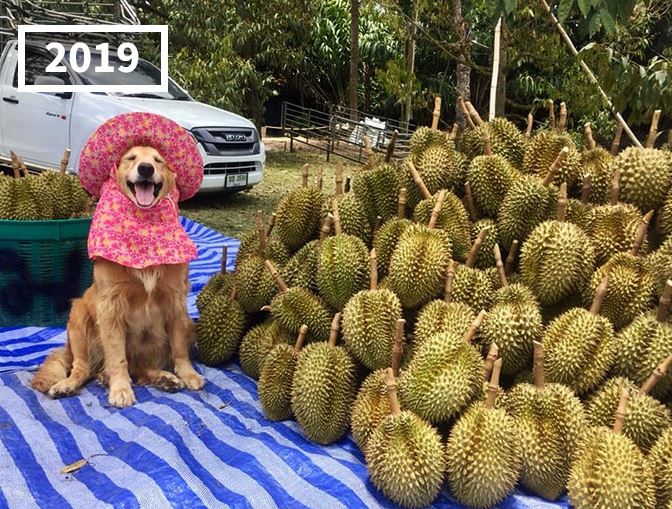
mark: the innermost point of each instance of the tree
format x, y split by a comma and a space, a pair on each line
463, 71
354, 57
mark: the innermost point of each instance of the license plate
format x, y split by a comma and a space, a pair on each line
236, 180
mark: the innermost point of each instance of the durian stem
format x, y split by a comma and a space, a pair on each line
339, 178
234, 293
450, 276
621, 411
476, 247
346, 186
538, 365
588, 134
337, 217
500, 266
493, 354
436, 114
664, 303
487, 149
563, 117
653, 130
530, 124
389, 154
398, 348
320, 178
261, 231
473, 327
493, 386
511, 257
370, 156
551, 114
304, 175
469, 203
586, 188
16, 166
615, 187
640, 235
600, 294
395, 409
418, 180
616, 144
373, 270
303, 331
64, 161
473, 113
562, 155
465, 112
562, 202
403, 198
333, 332
225, 251
271, 224
655, 377
453, 132
324, 231
282, 286
437, 209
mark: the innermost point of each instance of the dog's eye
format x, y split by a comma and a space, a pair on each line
158, 160
132, 157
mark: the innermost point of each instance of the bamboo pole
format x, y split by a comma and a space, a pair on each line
495, 69
436, 114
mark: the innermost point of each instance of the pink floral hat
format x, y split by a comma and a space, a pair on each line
110, 141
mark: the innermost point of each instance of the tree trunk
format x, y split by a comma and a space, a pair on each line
354, 57
409, 54
503, 68
463, 71
368, 83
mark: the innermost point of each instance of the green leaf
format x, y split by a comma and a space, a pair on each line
564, 9
607, 21
510, 6
584, 7
594, 23
625, 8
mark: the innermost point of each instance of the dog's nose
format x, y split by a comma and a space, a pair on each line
145, 170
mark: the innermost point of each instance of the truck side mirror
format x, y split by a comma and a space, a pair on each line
53, 80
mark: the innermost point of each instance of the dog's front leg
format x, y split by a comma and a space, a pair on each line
181, 333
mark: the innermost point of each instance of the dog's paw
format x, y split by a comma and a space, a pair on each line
121, 397
63, 389
167, 382
192, 380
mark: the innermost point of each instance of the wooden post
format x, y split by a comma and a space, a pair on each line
653, 130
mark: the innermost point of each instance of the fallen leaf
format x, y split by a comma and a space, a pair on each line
73, 467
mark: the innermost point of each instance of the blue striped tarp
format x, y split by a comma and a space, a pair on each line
211, 448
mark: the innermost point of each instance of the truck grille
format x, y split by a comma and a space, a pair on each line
228, 141
229, 168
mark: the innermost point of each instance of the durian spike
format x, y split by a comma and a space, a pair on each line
453, 132
303, 331
530, 124
616, 144
588, 134
389, 154
234, 293
487, 149
653, 130
418, 180
304, 175
469, 203
395, 409
333, 332
398, 348
475, 248
265, 309
473, 113
562, 155
500, 266
473, 327
615, 187
282, 286
586, 188
640, 235
450, 276
600, 294
64, 161
271, 224
538, 365
561, 210
562, 120
493, 386
225, 250
658, 373
338, 172
436, 114
346, 186
493, 354
337, 217
16, 167
261, 231
551, 114
511, 257
437, 209
465, 112
326, 228
373, 270
320, 178
663, 310
403, 198
621, 411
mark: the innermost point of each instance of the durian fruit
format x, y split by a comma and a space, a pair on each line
659, 459
69, 196
369, 322
612, 229
219, 283
301, 269
298, 215
490, 178
293, 307
645, 175
505, 139
444, 375
6, 197
483, 453
631, 285
484, 257
40, 188
259, 242
647, 417
543, 149
419, 262
387, 236
372, 404
438, 166
513, 323
342, 263
642, 344
661, 265
472, 286
354, 217
596, 164
220, 329
665, 216
256, 345
378, 189
551, 421
610, 471
25, 205
405, 456
275, 378
423, 137
323, 389
579, 345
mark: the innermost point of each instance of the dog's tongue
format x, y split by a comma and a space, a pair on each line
144, 193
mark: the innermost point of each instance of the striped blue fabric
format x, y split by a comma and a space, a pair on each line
211, 448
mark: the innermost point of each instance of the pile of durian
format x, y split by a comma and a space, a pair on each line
43, 196
490, 313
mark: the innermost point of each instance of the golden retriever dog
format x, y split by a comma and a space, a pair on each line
130, 324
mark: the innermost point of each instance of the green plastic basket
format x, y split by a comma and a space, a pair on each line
43, 266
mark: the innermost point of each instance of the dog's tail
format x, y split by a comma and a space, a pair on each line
55, 368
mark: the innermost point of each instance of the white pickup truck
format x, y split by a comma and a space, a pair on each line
39, 126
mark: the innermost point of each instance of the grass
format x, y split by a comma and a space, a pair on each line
234, 214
